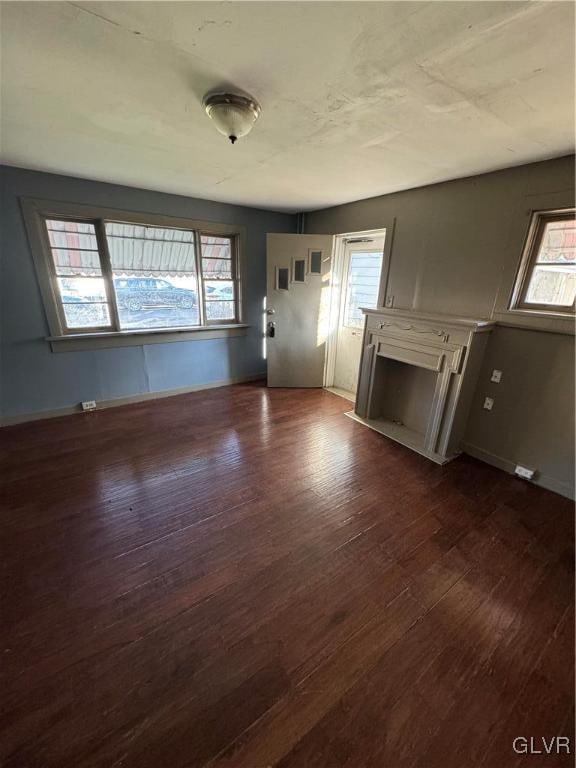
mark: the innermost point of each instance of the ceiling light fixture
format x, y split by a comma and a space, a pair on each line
233, 114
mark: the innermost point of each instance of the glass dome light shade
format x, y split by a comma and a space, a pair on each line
232, 114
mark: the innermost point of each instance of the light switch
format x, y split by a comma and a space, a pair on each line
488, 403
496, 376
389, 301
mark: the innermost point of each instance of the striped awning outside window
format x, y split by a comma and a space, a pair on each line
74, 248
134, 250
140, 250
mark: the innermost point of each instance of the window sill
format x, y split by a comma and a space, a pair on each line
548, 322
75, 342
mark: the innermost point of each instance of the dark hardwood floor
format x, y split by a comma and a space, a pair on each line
245, 577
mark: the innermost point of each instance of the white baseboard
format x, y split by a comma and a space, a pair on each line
75, 409
545, 481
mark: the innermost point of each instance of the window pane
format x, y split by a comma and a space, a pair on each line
77, 264
558, 242
219, 310
93, 315
216, 247
219, 300
299, 270
217, 271
214, 268
74, 227
316, 262
71, 235
68, 239
363, 286
154, 270
554, 285
218, 290
216, 261
87, 290
74, 248
84, 302
283, 279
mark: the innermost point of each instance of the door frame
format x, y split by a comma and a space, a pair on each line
337, 293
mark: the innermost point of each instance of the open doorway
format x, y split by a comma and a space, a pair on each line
360, 275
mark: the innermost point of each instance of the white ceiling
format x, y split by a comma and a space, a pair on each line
359, 99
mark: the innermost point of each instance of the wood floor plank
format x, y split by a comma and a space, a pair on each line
243, 577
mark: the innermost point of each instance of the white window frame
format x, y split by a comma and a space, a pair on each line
36, 212
346, 287
536, 229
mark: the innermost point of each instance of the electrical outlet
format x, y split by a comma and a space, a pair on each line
524, 472
488, 403
88, 405
496, 376
389, 301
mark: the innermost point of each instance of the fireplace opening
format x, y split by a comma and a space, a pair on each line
402, 397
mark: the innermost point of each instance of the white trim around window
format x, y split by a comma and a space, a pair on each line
559, 257
505, 312
110, 332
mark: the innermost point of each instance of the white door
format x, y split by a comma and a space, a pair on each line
297, 308
361, 286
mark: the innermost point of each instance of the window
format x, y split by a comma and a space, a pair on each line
154, 276
282, 278
299, 270
218, 269
362, 287
546, 280
107, 276
315, 262
82, 290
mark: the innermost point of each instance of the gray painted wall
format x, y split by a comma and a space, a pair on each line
532, 422
452, 244
34, 379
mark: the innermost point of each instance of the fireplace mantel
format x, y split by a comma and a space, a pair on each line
417, 376
479, 325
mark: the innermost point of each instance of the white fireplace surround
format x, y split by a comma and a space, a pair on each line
417, 376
